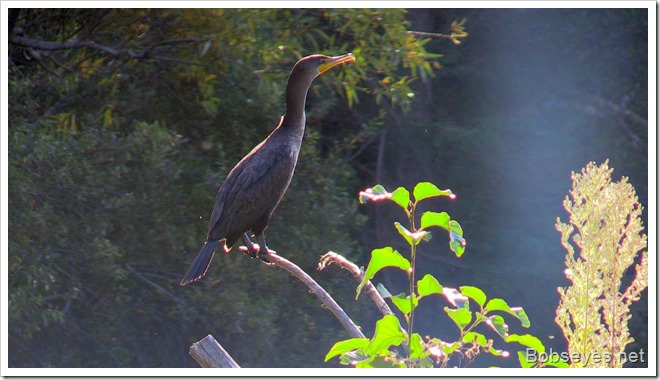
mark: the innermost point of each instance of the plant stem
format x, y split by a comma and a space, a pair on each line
411, 279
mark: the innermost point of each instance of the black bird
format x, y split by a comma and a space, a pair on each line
255, 186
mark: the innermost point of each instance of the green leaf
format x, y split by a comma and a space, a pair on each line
374, 194
381, 258
471, 336
401, 196
461, 317
498, 304
428, 285
527, 340
435, 219
388, 333
554, 360
411, 238
524, 363
402, 302
496, 322
345, 346
475, 293
456, 241
417, 348
424, 190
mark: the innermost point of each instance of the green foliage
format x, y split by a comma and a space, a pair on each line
606, 227
423, 352
115, 159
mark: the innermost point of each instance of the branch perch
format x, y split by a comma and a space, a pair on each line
315, 288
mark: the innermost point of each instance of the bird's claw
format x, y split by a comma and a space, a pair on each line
257, 252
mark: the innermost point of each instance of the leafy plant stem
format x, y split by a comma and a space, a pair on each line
411, 279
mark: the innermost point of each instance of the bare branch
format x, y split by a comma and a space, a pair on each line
315, 288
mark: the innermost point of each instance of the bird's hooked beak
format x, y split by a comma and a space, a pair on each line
336, 61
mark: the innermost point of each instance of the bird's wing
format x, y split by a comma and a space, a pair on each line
256, 188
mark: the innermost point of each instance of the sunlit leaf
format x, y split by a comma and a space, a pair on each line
424, 190
554, 360
456, 241
402, 302
417, 348
374, 194
524, 363
498, 304
345, 346
401, 196
428, 285
435, 219
461, 317
496, 322
388, 333
527, 340
475, 293
472, 336
381, 258
411, 238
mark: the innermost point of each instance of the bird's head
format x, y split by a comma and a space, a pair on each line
315, 65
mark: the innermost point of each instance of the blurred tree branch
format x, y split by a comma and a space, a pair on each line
145, 53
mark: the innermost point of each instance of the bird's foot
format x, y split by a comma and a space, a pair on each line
256, 252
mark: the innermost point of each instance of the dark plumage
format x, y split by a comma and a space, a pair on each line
255, 186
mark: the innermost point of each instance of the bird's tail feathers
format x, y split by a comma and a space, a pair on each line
201, 263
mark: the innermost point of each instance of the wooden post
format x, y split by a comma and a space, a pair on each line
210, 354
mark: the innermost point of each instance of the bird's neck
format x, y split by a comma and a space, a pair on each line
296, 95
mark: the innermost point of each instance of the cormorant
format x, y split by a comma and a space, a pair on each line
255, 186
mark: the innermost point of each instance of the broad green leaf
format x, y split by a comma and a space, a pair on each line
471, 336
417, 348
522, 316
498, 304
374, 194
401, 196
388, 333
402, 302
411, 238
455, 298
435, 219
496, 322
424, 190
524, 363
381, 258
461, 317
345, 346
527, 340
475, 293
428, 285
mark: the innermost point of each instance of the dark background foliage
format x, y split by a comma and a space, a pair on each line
115, 158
